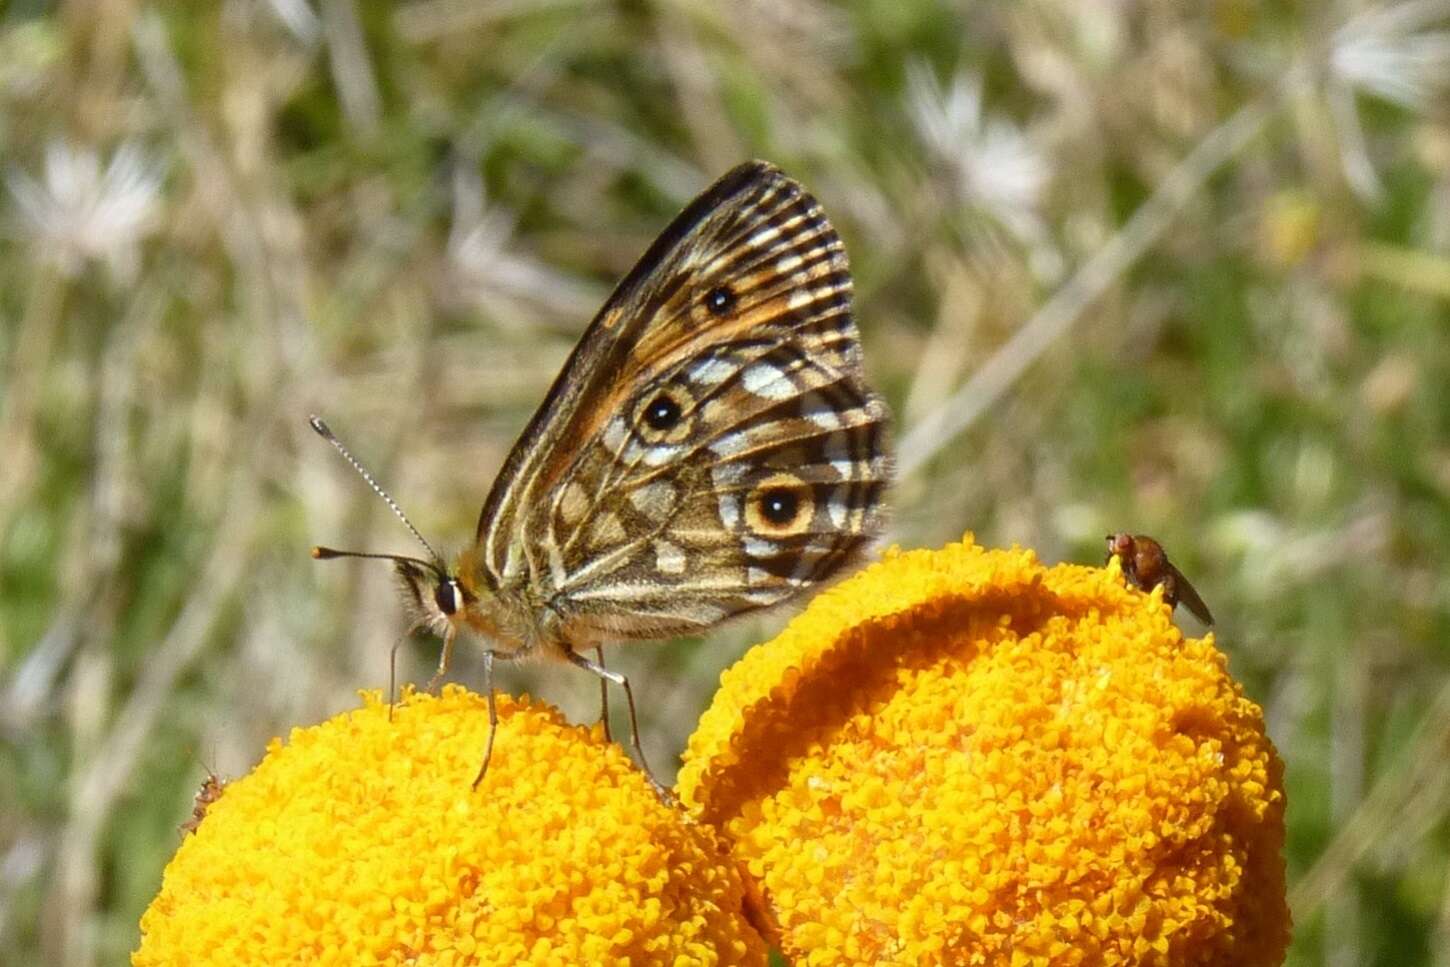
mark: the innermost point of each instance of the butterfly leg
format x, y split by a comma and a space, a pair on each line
605, 674
603, 696
443, 659
492, 716
393, 669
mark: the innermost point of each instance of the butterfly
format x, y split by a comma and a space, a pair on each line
1146, 566
710, 448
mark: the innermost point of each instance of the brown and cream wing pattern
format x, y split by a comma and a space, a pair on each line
711, 447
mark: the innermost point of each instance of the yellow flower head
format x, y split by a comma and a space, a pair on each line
963, 756
362, 841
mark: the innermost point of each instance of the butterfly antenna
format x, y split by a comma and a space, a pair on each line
324, 431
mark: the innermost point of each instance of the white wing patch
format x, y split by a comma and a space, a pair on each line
768, 382
655, 499
669, 558
729, 511
730, 444
711, 372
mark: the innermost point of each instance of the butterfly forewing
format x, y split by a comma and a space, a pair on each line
711, 446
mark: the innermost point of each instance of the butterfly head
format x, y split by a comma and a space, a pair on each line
436, 595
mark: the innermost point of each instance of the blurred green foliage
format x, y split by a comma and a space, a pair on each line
221, 217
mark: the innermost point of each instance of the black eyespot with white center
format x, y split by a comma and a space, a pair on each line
720, 300
662, 414
780, 506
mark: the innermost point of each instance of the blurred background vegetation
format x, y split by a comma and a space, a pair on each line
1177, 268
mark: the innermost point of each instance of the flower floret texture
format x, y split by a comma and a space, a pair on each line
362, 841
964, 756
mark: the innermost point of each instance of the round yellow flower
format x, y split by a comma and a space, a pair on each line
361, 841
963, 756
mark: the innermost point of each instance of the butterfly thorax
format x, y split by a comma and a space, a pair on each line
510, 615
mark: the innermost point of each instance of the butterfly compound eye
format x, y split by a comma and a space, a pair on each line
448, 596
720, 300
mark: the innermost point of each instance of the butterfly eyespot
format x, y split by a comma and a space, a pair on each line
781, 505
720, 300
663, 416
662, 413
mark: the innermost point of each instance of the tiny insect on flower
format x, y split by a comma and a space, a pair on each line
1146, 566
210, 791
